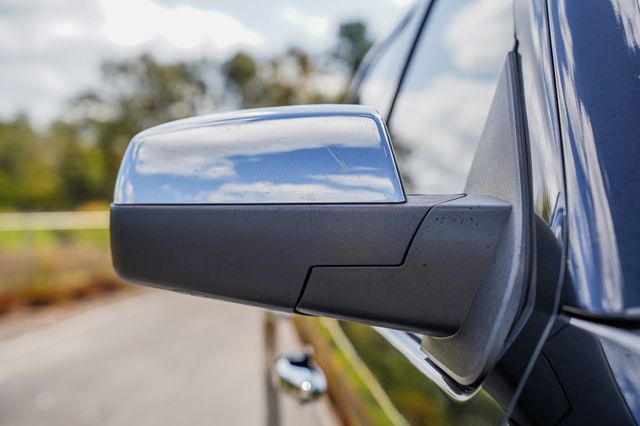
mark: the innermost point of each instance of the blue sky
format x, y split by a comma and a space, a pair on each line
49, 51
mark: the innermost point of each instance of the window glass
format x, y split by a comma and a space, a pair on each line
381, 78
445, 97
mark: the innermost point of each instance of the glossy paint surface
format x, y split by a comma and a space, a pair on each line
301, 154
597, 56
622, 349
536, 64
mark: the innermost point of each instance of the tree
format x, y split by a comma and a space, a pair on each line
241, 74
137, 94
353, 44
77, 158
27, 180
78, 164
286, 79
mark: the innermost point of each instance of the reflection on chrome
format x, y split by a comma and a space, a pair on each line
410, 348
301, 154
298, 375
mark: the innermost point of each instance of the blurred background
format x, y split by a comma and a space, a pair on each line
78, 79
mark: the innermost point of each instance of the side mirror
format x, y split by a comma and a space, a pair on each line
301, 209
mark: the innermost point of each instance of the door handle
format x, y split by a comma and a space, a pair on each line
299, 376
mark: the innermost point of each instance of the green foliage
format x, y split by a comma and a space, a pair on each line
241, 72
27, 178
288, 79
135, 95
76, 160
353, 44
143, 92
417, 398
45, 267
52, 239
79, 165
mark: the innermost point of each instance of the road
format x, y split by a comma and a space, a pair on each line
153, 359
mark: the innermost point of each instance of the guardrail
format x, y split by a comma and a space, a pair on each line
54, 221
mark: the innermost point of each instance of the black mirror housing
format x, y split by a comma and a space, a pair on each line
301, 209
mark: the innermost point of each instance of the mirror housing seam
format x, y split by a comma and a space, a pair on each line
257, 254
432, 290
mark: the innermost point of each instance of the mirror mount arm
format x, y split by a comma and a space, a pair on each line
501, 168
431, 290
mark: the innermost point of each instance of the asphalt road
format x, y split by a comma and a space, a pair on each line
152, 359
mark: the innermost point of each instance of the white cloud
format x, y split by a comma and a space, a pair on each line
207, 151
266, 191
50, 51
364, 181
186, 164
66, 29
183, 26
439, 134
315, 25
401, 3
476, 34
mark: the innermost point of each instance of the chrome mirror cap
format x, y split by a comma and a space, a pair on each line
298, 154
299, 376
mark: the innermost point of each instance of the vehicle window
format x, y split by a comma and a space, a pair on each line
381, 77
446, 94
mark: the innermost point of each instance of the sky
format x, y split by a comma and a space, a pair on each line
51, 50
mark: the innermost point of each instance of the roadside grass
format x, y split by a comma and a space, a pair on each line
43, 267
416, 397
51, 239
413, 395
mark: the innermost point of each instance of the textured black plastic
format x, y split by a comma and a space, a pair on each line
432, 290
501, 168
257, 254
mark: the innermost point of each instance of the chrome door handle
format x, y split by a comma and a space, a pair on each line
298, 375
